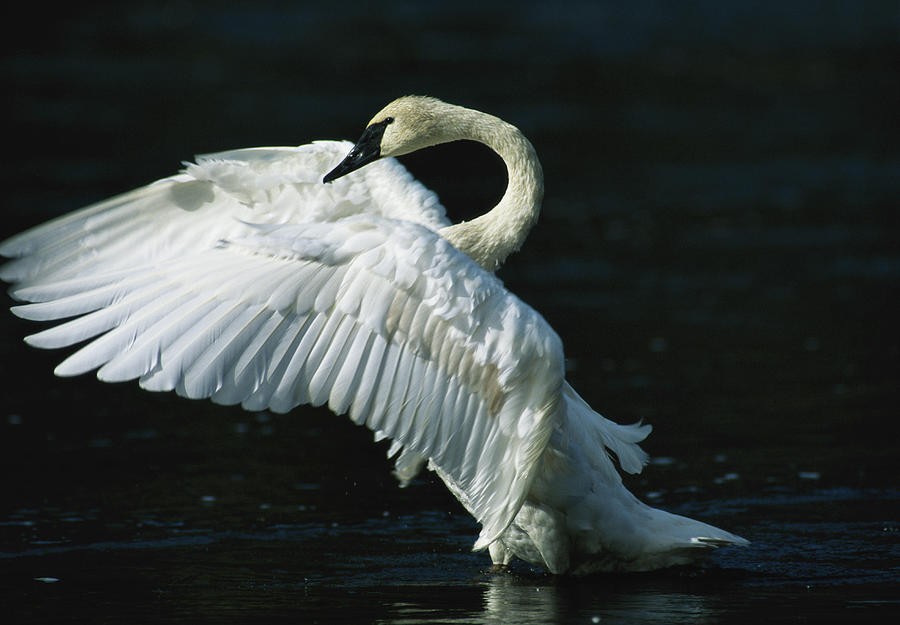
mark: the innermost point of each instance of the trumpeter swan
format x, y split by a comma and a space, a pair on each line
247, 280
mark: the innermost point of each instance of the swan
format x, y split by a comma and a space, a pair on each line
250, 278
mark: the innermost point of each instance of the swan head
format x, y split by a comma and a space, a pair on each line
405, 125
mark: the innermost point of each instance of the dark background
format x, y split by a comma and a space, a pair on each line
718, 250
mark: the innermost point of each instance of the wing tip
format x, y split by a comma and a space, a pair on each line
484, 541
491, 532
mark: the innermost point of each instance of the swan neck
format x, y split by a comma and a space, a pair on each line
493, 236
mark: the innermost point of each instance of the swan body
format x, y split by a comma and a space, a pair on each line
247, 279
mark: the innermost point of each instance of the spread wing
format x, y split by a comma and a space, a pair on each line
273, 292
212, 200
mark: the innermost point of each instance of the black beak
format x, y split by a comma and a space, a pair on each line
366, 150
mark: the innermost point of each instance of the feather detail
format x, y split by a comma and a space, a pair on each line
360, 307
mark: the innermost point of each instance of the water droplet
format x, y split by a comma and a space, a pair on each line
728, 477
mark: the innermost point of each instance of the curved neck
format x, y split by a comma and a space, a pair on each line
490, 238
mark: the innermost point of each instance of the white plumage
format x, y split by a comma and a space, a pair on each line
246, 279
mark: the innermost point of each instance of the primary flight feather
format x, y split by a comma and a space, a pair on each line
325, 274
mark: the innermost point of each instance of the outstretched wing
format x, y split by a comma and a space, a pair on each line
215, 199
376, 316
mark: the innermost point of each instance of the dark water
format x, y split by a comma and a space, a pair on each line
718, 251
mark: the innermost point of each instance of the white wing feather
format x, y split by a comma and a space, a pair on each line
246, 280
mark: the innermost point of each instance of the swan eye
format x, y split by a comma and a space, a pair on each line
388, 120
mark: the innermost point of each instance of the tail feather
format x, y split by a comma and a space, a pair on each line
621, 440
610, 528
637, 537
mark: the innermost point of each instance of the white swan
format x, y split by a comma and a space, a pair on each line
247, 280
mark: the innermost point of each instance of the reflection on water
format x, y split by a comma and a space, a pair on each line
521, 603
717, 251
